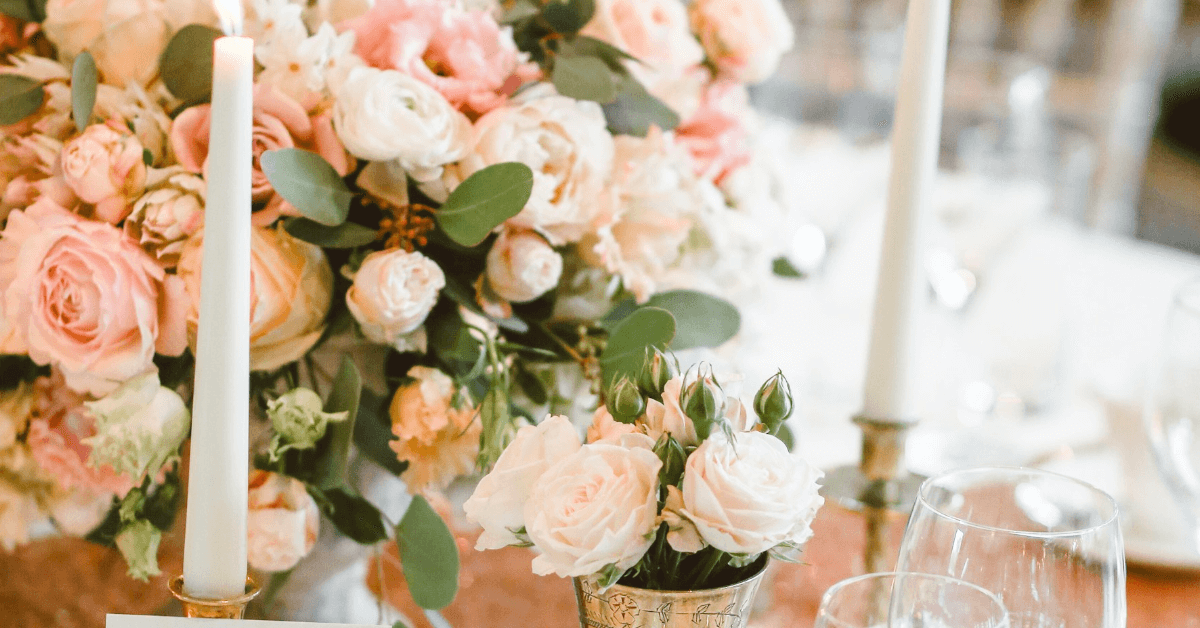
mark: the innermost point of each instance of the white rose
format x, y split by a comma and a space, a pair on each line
121, 35
594, 508
749, 498
171, 210
522, 267
566, 144
393, 292
743, 38
498, 502
384, 115
139, 427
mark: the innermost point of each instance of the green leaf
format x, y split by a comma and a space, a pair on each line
584, 78
531, 385
645, 327
373, 431
484, 201
344, 397
20, 97
428, 556
309, 183
186, 63
784, 268
584, 46
634, 111
344, 236
701, 320
27, 10
352, 515
568, 16
83, 89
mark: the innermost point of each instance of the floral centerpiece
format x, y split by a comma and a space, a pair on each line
462, 210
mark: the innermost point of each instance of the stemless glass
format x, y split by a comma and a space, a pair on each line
1048, 545
1172, 414
909, 600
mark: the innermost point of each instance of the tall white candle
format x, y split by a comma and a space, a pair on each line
901, 292
214, 552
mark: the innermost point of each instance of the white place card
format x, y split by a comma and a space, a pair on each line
150, 621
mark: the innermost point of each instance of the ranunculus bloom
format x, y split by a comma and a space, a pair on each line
743, 38
104, 167
81, 295
749, 497
139, 427
715, 134
465, 55
386, 115
291, 291
279, 122
282, 523
498, 502
393, 292
171, 210
521, 266
438, 440
124, 36
566, 144
594, 508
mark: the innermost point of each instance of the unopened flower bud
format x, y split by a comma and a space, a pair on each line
773, 402
298, 418
624, 401
703, 402
673, 457
657, 370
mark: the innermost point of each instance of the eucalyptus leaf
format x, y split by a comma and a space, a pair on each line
186, 63
351, 514
568, 16
344, 236
428, 555
626, 347
309, 183
26, 10
634, 111
484, 201
344, 397
782, 267
373, 431
584, 46
701, 320
20, 97
584, 78
83, 89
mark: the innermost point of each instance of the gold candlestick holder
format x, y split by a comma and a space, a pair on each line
232, 608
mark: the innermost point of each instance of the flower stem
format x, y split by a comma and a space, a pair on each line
707, 567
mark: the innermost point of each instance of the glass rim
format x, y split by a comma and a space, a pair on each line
1187, 296
854, 580
1110, 519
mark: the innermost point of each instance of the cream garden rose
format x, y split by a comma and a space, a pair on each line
743, 38
124, 36
521, 266
393, 292
171, 210
282, 522
497, 504
594, 508
749, 497
104, 167
435, 430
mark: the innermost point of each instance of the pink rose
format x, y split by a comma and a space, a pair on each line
282, 523
104, 167
279, 122
82, 296
291, 288
464, 55
715, 134
743, 38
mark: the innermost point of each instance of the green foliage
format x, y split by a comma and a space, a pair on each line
20, 97
428, 555
27, 10
83, 89
344, 397
702, 320
627, 342
352, 515
567, 16
782, 267
309, 183
17, 368
186, 63
344, 236
634, 111
584, 78
624, 401
373, 432
484, 201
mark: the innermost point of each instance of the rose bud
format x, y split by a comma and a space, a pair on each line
703, 402
773, 402
299, 420
657, 370
673, 458
624, 401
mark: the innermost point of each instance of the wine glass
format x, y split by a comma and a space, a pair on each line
1172, 414
1050, 546
909, 600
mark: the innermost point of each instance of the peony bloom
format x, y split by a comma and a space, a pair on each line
743, 38
464, 55
594, 508
279, 122
385, 115
521, 266
497, 504
82, 296
393, 292
282, 523
171, 210
104, 167
291, 291
124, 36
139, 427
566, 144
438, 439
716, 134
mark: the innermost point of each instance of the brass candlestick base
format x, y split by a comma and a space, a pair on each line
233, 608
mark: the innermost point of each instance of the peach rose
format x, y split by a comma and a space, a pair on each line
279, 122
291, 289
743, 38
282, 522
104, 167
715, 134
605, 429
82, 296
435, 429
464, 55
521, 266
124, 36
171, 210
393, 292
